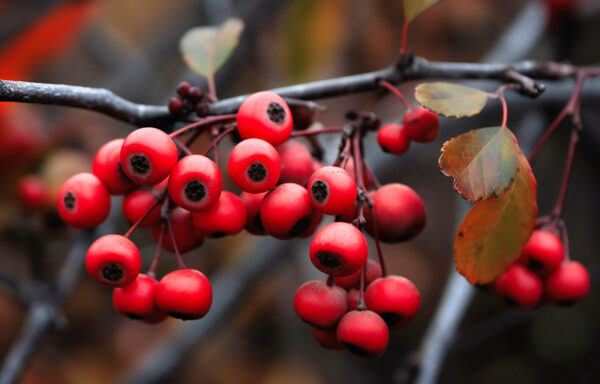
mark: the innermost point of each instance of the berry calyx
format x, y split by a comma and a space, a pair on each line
83, 201
185, 294
519, 286
332, 190
195, 183
392, 139
107, 167
339, 249
319, 304
136, 300
363, 333
226, 217
265, 115
421, 125
543, 253
113, 260
569, 283
395, 299
254, 165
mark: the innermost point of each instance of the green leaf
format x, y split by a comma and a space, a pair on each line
482, 162
413, 8
451, 100
495, 230
205, 49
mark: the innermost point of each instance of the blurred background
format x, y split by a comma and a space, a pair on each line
253, 335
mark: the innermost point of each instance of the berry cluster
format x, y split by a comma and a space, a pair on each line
419, 125
543, 273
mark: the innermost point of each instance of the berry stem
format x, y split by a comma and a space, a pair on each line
378, 244
395, 91
212, 88
560, 203
504, 110
329, 281
203, 123
316, 131
404, 37
152, 270
217, 139
184, 148
175, 247
564, 238
137, 223
361, 297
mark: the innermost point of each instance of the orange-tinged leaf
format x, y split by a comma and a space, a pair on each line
205, 49
482, 162
495, 230
451, 100
413, 8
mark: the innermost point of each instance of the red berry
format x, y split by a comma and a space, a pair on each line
320, 305
253, 201
136, 300
395, 299
226, 217
569, 283
398, 212
392, 139
350, 281
363, 333
421, 125
254, 165
353, 299
137, 203
113, 260
187, 236
32, 193
265, 115
543, 253
185, 294
195, 183
519, 286
107, 167
332, 190
83, 201
327, 338
286, 211
148, 155
339, 249
296, 162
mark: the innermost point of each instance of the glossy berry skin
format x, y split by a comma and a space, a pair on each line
320, 305
107, 167
363, 333
421, 125
254, 166
519, 286
226, 217
339, 249
195, 183
569, 283
185, 294
353, 280
137, 203
32, 193
253, 201
113, 260
136, 300
395, 299
398, 212
327, 338
83, 201
296, 163
543, 253
392, 139
148, 155
286, 211
265, 115
332, 190
187, 236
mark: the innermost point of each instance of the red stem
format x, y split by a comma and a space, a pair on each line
175, 248
378, 245
203, 123
316, 131
152, 270
214, 142
404, 37
395, 91
560, 203
137, 223
504, 110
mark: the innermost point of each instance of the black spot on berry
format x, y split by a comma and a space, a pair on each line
140, 165
112, 272
329, 260
391, 318
319, 190
256, 172
69, 200
300, 227
194, 191
535, 265
276, 113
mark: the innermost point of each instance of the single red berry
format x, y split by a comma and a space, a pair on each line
332, 190
195, 183
363, 333
32, 193
253, 201
136, 300
421, 125
137, 203
187, 236
265, 115
148, 155
353, 299
297, 163
350, 281
175, 105
339, 249
254, 165
113, 260
83, 201
395, 299
319, 304
226, 217
185, 294
569, 283
392, 139
327, 338
519, 286
183, 89
107, 167
286, 211
543, 253
398, 212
